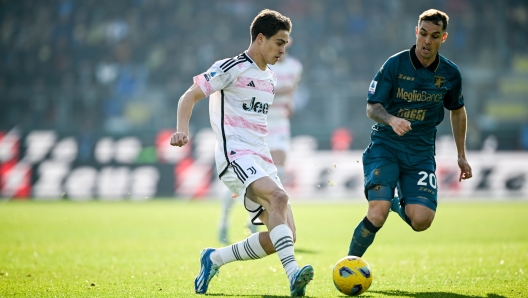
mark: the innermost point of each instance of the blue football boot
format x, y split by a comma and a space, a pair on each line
300, 279
207, 271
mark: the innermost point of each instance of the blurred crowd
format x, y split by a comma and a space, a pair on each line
119, 66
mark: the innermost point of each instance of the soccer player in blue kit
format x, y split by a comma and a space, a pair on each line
407, 99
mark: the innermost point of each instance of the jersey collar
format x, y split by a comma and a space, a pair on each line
245, 54
418, 65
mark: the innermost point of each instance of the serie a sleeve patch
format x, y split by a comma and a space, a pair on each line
372, 87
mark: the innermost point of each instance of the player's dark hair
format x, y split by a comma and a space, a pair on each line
269, 22
434, 16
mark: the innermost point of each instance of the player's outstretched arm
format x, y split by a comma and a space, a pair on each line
377, 112
185, 107
459, 127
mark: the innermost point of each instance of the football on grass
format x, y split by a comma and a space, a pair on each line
352, 275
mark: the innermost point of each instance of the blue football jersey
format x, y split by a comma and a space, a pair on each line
419, 94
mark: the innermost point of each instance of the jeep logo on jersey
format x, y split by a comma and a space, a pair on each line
256, 106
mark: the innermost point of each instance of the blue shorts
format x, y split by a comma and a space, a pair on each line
413, 175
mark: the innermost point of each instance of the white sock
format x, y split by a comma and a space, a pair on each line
248, 249
282, 239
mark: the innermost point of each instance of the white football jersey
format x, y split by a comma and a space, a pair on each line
288, 72
240, 94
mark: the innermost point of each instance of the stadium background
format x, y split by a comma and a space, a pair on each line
89, 89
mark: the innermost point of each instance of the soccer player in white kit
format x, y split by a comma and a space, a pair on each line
241, 90
288, 71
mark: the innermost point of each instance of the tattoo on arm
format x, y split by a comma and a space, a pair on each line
378, 113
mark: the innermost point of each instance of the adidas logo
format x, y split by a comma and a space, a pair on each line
251, 84
233, 152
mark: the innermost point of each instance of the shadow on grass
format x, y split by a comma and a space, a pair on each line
305, 251
263, 296
431, 294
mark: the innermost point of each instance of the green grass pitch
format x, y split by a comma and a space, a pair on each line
151, 249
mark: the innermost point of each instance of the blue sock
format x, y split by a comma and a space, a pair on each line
362, 238
398, 206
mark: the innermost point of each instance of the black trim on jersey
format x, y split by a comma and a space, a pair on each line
454, 109
223, 136
448, 98
417, 64
227, 61
229, 66
373, 102
231, 60
226, 66
247, 57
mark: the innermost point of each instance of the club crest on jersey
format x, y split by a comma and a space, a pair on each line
439, 81
257, 107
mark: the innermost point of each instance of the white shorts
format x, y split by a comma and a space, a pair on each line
241, 173
279, 134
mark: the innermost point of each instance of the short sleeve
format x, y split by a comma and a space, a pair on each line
454, 99
381, 86
215, 78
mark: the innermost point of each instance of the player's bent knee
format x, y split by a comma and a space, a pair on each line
378, 212
421, 225
377, 219
279, 198
421, 217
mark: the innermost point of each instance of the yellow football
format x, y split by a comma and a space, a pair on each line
352, 275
